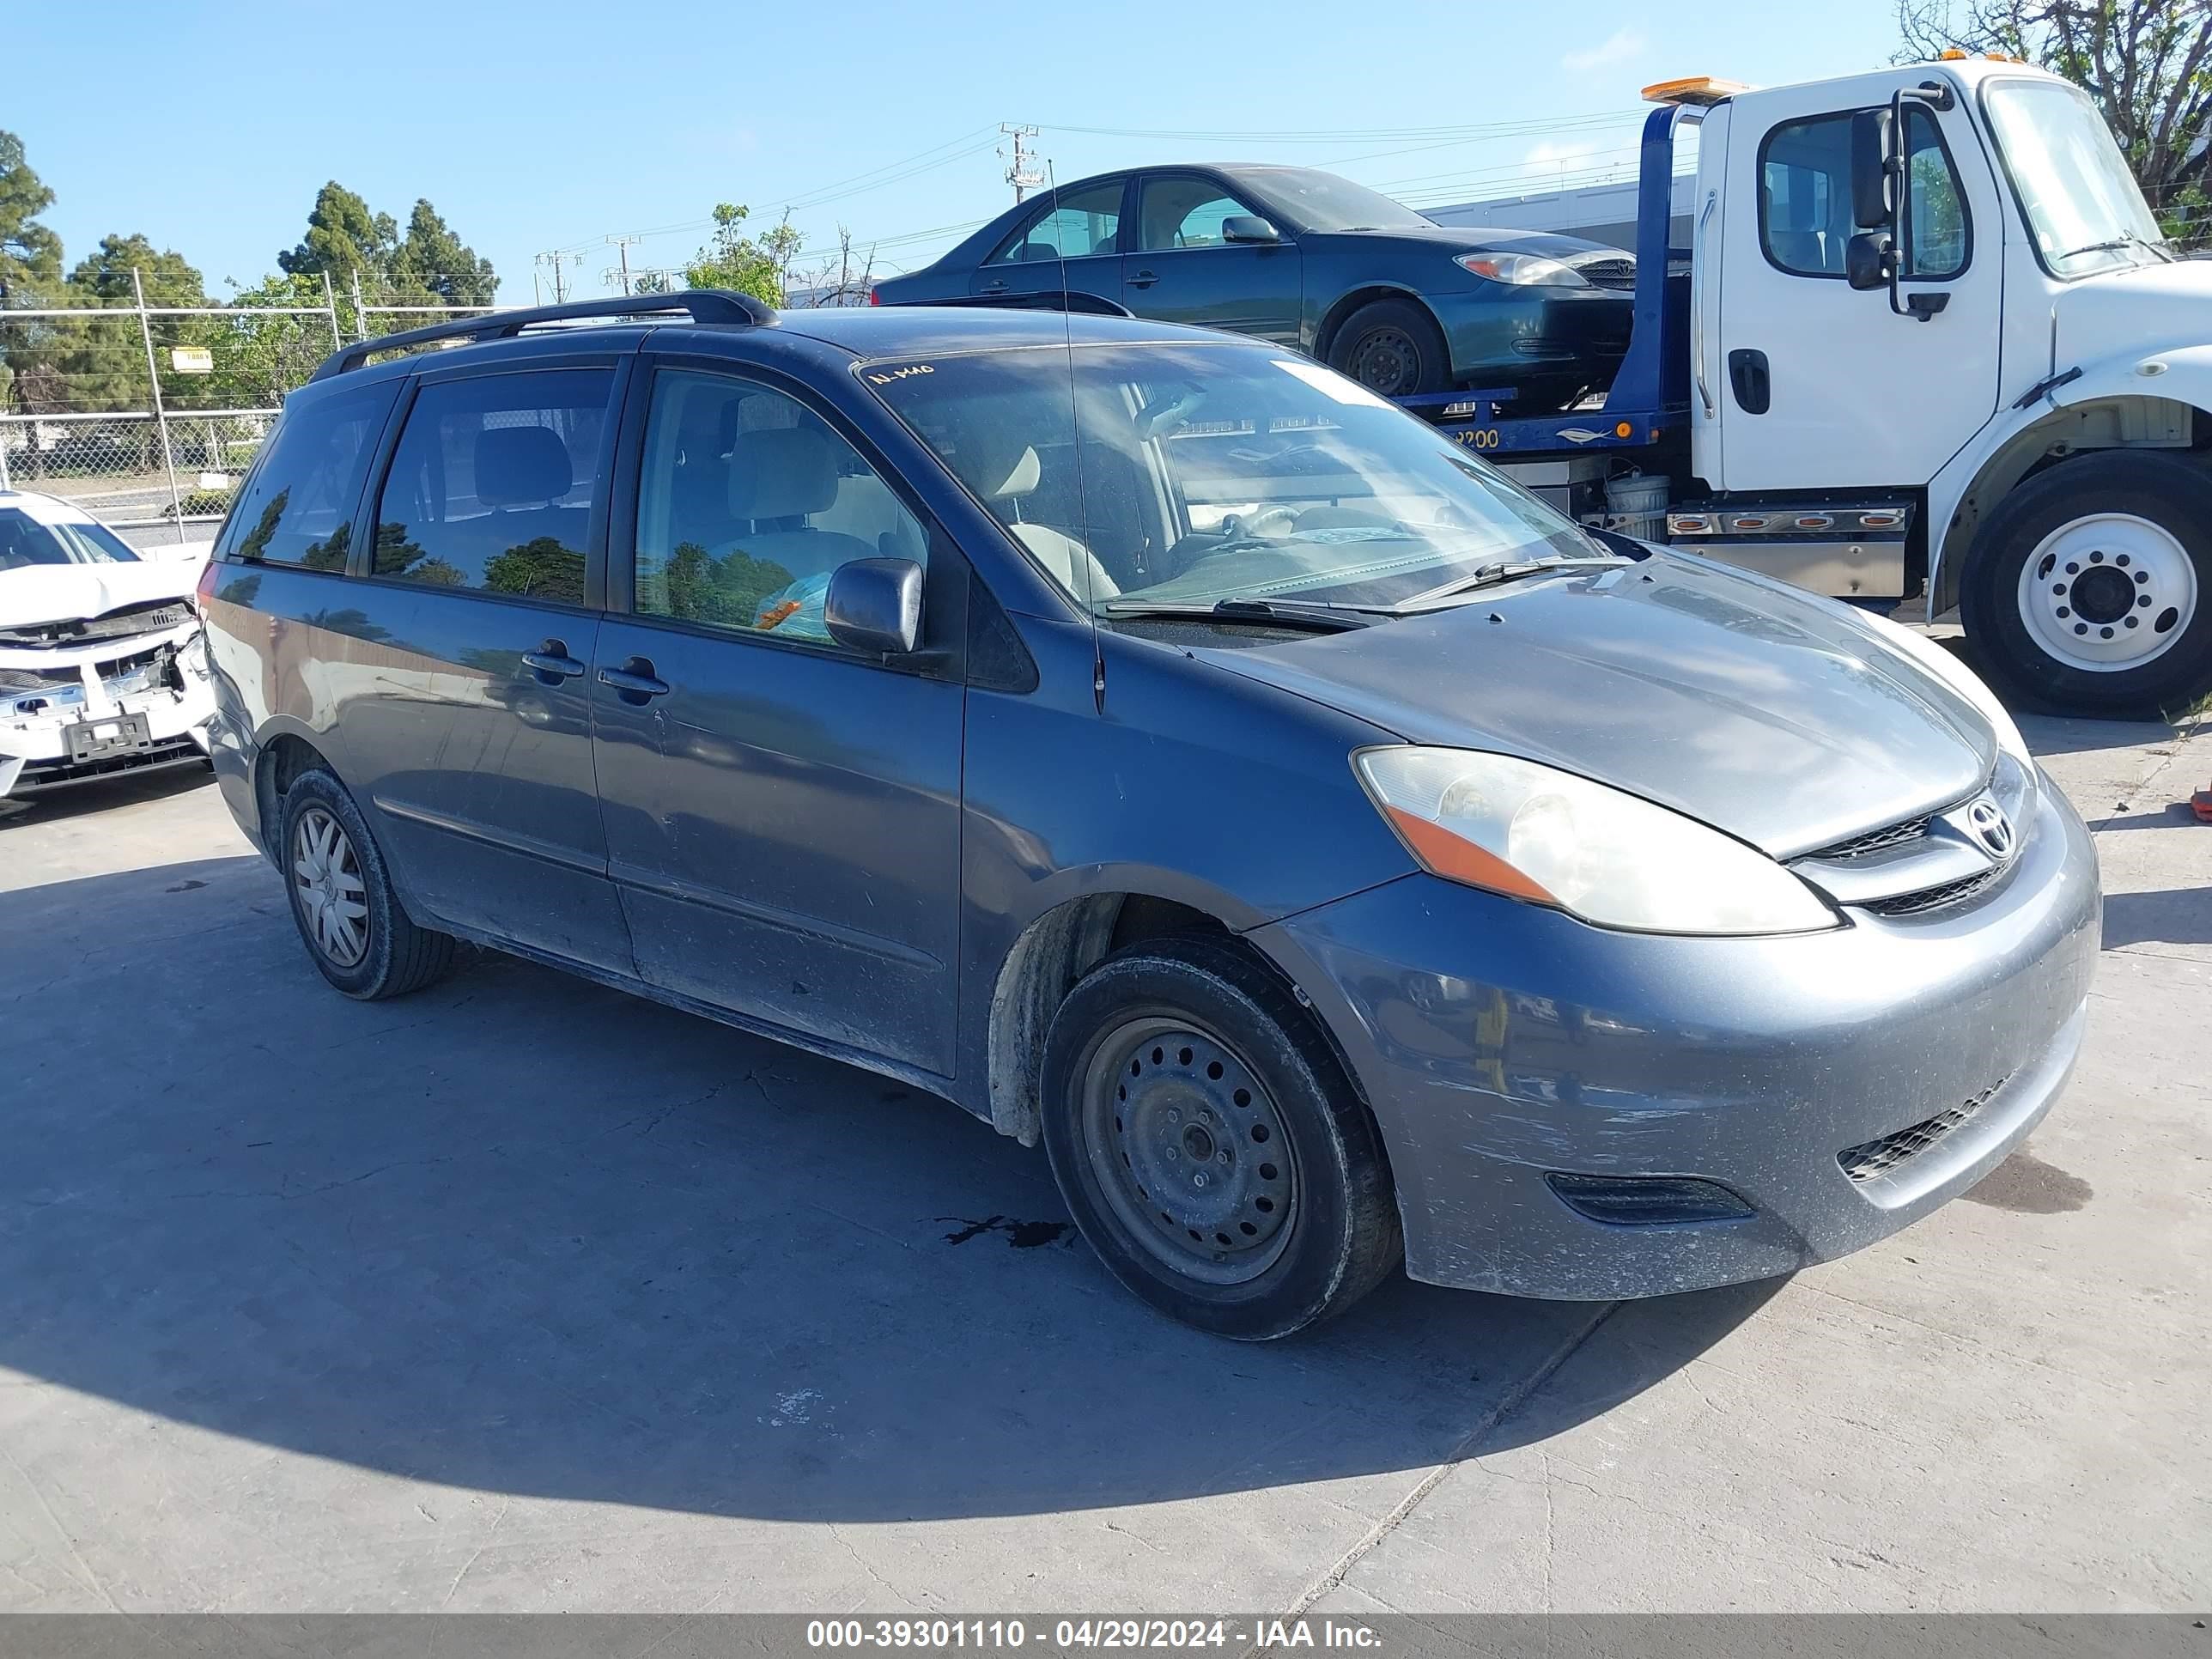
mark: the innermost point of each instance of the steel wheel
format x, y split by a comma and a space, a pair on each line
1386, 363
1189, 1149
327, 884
2108, 591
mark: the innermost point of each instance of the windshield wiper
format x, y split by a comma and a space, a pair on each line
1266, 613
2113, 245
1500, 570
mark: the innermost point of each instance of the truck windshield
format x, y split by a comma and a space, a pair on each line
1208, 472
2083, 204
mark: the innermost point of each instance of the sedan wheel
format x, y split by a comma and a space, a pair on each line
332, 898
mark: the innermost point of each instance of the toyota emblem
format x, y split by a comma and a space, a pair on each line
1990, 827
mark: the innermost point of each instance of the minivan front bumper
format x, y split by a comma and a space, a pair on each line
1500, 1044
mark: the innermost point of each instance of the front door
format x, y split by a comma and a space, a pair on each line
1071, 242
462, 682
1818, 385
1179, 268
782, 815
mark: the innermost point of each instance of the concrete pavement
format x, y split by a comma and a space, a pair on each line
524, 1294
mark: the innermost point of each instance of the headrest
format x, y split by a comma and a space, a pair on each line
782, 473
519, 463
1000, 464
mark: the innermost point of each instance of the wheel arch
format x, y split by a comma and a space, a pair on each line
1340, 311
280, 759
2111, 411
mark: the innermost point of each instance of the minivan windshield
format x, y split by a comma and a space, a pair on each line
26, 541
1207, 473
2084, 206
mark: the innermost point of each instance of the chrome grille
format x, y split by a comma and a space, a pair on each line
1878, 1158
1608, 273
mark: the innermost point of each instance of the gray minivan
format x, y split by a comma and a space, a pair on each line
1161, 747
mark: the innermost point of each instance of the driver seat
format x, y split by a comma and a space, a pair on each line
1066, 560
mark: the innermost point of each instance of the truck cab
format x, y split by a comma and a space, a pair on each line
1925, 339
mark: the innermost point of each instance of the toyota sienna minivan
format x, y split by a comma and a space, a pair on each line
1160, 747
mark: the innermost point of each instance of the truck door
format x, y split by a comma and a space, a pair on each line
1816, 385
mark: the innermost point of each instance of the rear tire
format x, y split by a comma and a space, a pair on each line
1395, 349
1209, 1146
349, 915
2090, 588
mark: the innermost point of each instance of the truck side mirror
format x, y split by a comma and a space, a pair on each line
1868, 258
874, 605
1874, 142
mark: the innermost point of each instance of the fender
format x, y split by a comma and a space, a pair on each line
2136, 399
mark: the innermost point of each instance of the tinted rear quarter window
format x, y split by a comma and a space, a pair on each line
297, 503
492, 483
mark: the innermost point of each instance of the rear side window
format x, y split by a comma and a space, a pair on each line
1082, 223
491, 484
297, 505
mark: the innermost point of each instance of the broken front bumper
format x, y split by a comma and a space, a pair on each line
71, 715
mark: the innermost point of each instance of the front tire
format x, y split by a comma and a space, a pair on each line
1395, 349
349, 917
1209, 1146
2088, 590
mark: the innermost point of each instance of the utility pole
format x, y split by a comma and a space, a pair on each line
1021, 174
555, 258
621, 245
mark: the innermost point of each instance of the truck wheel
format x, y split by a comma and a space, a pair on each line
1209, 1146
1393, 348
2086, 593
349, 917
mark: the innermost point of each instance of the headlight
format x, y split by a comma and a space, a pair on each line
1959, 677
1523, 270
1550, 837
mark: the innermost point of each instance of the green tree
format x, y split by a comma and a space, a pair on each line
543, 568
2148, 63
104, 278
435, 264
343, 238
754, 265
30, 254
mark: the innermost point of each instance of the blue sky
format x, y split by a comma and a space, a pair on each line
565, 125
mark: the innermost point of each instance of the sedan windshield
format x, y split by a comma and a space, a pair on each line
25, 540
1209, 473
1321, 201
2083, 204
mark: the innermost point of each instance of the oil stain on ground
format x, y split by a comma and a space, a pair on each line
1021, 1235
2025, 1183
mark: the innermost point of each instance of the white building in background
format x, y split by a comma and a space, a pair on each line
1599, 213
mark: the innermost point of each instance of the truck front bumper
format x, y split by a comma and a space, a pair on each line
1532, 1074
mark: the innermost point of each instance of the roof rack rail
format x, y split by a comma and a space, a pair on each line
702, 305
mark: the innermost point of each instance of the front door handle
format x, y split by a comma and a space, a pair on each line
552, 663
634, 680
1143, 279
1749, 377
998, 285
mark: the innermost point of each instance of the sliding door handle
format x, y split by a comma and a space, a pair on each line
635, 682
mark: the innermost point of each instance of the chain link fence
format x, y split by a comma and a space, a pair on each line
148, 416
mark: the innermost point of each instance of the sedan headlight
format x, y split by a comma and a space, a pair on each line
1523, 270
1960, 678
1536, 833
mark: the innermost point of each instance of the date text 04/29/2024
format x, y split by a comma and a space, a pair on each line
1085, 1635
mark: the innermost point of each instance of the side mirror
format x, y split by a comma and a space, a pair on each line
874, 605
1874, 143
1248, 228
1868, 258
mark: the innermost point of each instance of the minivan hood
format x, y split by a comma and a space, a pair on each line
2144, 309
1763, 711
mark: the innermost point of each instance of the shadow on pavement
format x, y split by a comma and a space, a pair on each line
523, 1234
2182, 915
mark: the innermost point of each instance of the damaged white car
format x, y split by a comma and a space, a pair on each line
103, 668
